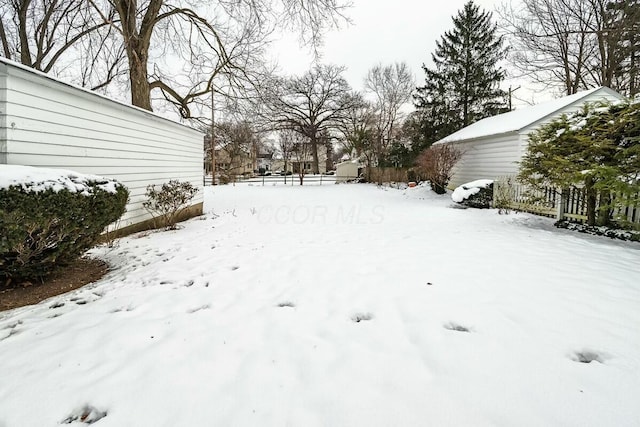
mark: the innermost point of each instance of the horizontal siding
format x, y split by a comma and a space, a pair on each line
486, 158
47, 123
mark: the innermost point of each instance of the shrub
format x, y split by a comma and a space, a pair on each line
50, 217
166, 203
504, 195
476, 194
436, 165
413, 175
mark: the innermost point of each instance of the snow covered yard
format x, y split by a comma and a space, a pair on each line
341, 305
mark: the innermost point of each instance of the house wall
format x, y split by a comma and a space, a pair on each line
346, 171
487, 158
495, 156
47, 123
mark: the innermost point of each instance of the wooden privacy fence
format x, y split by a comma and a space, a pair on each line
570, 204
378, 174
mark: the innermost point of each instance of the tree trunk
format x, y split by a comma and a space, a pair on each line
140, 90
314, 154
604, 208
591, 201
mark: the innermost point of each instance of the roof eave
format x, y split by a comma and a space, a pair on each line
493, 135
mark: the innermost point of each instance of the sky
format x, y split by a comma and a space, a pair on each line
384, 31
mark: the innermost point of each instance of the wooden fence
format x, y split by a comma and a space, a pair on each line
570, 204
380, 175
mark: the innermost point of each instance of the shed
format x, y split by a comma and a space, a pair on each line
49, 123
492, 147
347, 170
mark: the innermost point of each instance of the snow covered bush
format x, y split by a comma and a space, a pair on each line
475, 194
50, 217
166, 203
436, 165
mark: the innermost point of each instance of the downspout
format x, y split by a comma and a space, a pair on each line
3, 113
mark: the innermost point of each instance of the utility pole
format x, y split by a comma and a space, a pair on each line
511, 93
213, 139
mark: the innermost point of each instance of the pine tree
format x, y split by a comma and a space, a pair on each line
597, 148
464, 86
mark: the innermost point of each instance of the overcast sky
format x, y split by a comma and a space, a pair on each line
383, 31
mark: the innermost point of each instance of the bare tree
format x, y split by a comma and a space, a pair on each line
236, 145
45, 34
358, 133
316, 102
574, 44
221, 39
392, 87
302, 151
286, 142
436, 165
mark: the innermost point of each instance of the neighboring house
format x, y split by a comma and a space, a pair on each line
48, 123
264, 162
304, 160
234, 162
493, 146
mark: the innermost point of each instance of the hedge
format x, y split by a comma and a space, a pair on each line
48, 224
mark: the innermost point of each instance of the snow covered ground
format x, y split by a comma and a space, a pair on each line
340, 305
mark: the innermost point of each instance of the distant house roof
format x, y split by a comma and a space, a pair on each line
517, 120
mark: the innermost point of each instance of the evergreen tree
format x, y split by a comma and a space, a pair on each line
596, 148
464, 86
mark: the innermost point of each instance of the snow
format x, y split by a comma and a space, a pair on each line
516, 120
338, 305
32, 179
463, 192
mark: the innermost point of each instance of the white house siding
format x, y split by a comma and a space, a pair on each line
347, 170
47, 123
493, 156
486, 158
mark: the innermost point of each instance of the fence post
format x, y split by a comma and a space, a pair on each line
320, 179
560, 205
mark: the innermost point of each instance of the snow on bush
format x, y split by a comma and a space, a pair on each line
50, 217
467, 190
35, 180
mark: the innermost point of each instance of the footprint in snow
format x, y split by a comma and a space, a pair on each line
204, 307
13, 329
456, 327
86, 414
286, 304
361, 317
587, 356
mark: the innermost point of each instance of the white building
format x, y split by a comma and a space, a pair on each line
348, 170
493, 146
48, 123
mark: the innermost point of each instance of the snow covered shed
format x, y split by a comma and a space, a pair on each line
492, 147
45, 122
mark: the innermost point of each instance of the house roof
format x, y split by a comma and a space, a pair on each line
517, 120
